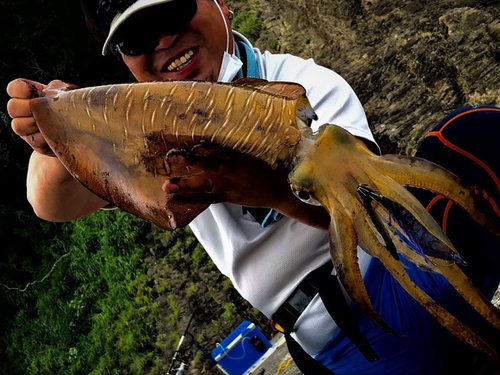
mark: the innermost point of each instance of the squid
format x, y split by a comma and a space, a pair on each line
116, 141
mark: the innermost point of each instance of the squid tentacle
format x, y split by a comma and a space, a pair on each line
454, 275
395, 192
445, 318
418, 259
343, 249
470, 293
408, 170
390, 231
420, 239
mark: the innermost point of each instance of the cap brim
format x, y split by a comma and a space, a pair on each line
122, 17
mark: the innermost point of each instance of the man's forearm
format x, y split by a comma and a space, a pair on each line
314, 216
54, 194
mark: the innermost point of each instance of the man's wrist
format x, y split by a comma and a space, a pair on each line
315, 216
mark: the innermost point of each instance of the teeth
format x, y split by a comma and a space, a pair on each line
178, 63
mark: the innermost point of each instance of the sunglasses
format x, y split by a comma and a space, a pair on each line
139, 34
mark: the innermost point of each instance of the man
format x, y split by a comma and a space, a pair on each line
266, 256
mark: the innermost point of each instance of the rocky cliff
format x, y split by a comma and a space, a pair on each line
410, 62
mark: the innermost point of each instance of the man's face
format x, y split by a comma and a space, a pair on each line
195, 53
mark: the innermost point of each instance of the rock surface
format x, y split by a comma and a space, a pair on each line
410, 62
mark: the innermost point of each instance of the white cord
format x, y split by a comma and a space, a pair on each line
225, 25
227, 353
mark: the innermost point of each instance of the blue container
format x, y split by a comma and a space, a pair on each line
239, 351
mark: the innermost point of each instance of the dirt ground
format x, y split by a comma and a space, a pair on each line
279, 362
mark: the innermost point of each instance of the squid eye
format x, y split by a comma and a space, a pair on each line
305, 196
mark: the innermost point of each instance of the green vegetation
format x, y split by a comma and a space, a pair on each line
275, 44
52, 315
247, 19
96, 310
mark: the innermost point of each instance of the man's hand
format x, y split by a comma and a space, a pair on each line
223, 175
219, 174
23, 123
54, 194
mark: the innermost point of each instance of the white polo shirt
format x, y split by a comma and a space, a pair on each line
267, 264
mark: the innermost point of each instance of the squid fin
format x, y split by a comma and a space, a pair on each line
283, 89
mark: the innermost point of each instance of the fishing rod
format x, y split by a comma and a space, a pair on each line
178, 354
182, 367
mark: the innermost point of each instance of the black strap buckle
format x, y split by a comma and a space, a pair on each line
322, 282
296, 303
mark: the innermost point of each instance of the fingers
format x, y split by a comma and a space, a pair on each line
18, 108
23, 123
210, 187
198, 189
192, 190
192, 184
210, 174
24, 89
186, 164
37, 142
24, 126
21, 90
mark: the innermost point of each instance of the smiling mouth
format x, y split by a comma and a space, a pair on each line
182, 61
